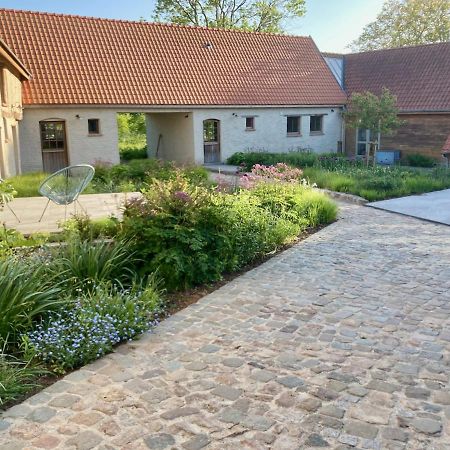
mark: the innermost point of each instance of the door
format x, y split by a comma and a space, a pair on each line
211, 140
54, 145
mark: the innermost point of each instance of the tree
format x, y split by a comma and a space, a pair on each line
406, 22
250, 15
379, 114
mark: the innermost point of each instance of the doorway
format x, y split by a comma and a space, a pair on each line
211, 141
54, 145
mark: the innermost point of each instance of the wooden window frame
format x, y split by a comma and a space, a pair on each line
316, 132
299, 120
98, 133
252, 127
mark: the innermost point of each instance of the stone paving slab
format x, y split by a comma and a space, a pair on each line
340, 342
433, 206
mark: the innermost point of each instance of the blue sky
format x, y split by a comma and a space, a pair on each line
332, 23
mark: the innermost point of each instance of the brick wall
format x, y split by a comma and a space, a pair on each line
422, 133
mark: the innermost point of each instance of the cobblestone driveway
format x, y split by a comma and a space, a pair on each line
342, 342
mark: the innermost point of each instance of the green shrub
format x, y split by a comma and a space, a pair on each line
192, 234
98, 321
301, 159
25, 294
81, 265
82, 227
129, 153
418, 160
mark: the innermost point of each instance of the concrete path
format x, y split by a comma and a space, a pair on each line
434, 206
342, 341
29, 211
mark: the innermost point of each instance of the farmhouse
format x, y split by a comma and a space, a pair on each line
206, 93
420, 79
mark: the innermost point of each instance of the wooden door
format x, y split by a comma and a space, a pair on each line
54, 145
211, 140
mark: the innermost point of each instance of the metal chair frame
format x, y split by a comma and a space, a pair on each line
66, 197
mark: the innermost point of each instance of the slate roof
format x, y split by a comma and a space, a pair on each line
81, 60
419, 76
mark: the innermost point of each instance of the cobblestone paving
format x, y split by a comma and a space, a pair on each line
341, 342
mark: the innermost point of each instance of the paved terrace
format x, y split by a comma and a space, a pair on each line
29, 210
342, 341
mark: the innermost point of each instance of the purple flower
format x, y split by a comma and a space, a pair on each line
183, 196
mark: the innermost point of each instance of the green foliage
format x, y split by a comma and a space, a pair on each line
11, 239
379, 183
16, 378
301, 158
129, 152
27, 185
25, 293
83, 228
81, 265
191, 234
98, 321
378, 114
7, 193
418, 160
406, 22
250, 15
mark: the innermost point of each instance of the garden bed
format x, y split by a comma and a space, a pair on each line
67, 305
340, 174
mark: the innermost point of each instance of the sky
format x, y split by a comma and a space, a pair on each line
333, 24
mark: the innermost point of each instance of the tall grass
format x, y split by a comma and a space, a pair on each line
24, 294
16, 379
81, 265
27, 185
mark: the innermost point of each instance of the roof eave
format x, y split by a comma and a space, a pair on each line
10, 56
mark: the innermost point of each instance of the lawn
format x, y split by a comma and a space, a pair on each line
110, 281
336, 173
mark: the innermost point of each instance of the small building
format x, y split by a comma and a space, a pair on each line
420, 79
206, 93
12, 73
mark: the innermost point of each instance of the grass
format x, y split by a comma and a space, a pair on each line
16, 379
27, 185
337, 173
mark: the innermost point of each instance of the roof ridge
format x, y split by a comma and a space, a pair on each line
148, 23
398, 48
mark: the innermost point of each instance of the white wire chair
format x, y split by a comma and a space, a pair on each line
65, 186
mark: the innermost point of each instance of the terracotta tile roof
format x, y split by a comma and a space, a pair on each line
80, 60
8, 55
418, 76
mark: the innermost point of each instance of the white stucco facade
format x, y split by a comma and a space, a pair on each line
180, 135
81, 147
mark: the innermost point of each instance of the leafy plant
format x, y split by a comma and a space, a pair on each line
418, 160
7, 193
16, 378
98, 320
81, 265
25, 294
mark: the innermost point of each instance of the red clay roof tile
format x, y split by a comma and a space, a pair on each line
419, 76
80, 60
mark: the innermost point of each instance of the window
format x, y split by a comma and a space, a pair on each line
94, 126
316, 124
293, 125
249, 123
363, 139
